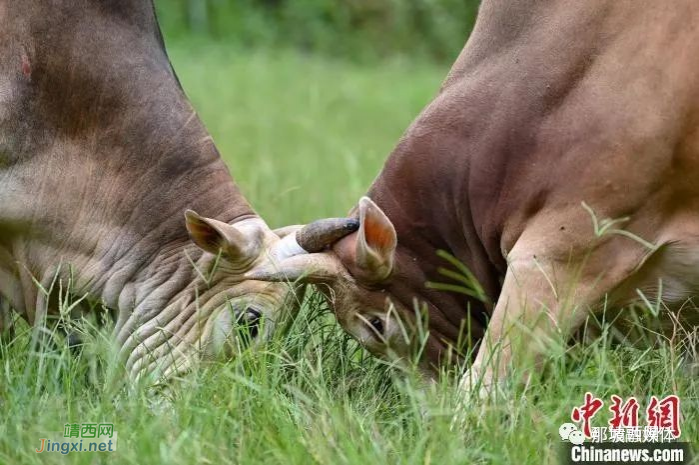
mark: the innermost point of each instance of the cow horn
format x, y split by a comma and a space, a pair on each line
319, 234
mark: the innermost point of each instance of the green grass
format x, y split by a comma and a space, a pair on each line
304, 137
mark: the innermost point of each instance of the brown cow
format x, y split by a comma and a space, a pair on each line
100, 155
557, 119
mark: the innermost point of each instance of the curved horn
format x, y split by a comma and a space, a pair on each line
286, 230
316, 236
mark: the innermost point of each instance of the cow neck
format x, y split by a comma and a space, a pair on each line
424, 225
169, 271
170, 303
136, 252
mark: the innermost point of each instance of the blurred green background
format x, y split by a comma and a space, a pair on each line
355, 29
305, 99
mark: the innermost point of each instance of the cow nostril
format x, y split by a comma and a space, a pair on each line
249, 323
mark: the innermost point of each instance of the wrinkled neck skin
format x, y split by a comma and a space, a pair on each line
180, 304
138, 262
100, 155
167, 299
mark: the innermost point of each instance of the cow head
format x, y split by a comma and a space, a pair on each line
243, 312
100, 154
355, 274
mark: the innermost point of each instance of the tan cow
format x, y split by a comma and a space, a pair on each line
101, 154
559, 162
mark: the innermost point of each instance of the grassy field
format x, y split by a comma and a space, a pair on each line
304, 137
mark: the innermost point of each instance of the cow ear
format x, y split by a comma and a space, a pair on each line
216, 237
376, 242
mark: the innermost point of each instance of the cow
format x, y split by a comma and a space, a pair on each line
104, 165
558, 164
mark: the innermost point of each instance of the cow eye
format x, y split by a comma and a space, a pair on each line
248, 324
377, 324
